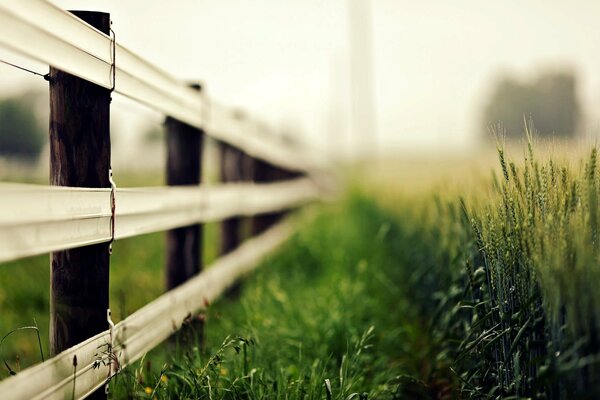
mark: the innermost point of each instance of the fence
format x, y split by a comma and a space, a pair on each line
79, 217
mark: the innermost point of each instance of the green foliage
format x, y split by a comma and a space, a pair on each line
154, 134
20, 134
551, 101
515, 276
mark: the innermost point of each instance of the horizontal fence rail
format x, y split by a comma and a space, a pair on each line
40, 30
43, 31
57, 378
40, 219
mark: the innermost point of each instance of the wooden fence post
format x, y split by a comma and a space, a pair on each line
79, 156
247, 176
264, 172
231, 169
234, 167
184, 167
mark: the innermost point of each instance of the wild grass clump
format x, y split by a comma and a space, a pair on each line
515, 272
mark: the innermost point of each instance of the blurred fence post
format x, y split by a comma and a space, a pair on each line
264, 172
248, 177
231, 170
80, 157
184, 167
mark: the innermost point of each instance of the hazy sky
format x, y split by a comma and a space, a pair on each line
287, 61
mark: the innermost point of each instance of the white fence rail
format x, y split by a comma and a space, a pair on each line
40, 30
40, 219
140, 332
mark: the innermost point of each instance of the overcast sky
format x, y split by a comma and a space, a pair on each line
287, 61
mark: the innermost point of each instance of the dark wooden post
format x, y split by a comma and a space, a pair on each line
79, 156
247, 176
231, 169
184, 167
264, 172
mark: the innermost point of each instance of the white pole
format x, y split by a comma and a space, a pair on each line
363, 125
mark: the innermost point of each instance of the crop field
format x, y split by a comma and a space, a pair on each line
481, 286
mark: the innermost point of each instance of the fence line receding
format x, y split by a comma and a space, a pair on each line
263, 177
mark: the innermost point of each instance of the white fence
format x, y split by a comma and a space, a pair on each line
40, 219
37, 219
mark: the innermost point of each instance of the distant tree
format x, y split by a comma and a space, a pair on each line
20, 134
154, 134
551, 101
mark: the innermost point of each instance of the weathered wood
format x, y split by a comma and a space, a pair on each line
79, 156
184, 167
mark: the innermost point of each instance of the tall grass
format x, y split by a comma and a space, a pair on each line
515, 271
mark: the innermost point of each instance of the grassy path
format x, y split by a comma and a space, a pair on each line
327, 307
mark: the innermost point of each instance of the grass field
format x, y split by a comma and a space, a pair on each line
328, 305
483, 287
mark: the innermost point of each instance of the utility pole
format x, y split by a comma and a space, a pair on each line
363, 121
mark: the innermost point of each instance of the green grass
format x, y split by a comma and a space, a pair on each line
329, 305
488, 295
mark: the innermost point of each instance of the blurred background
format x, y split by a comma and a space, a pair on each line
350, 78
